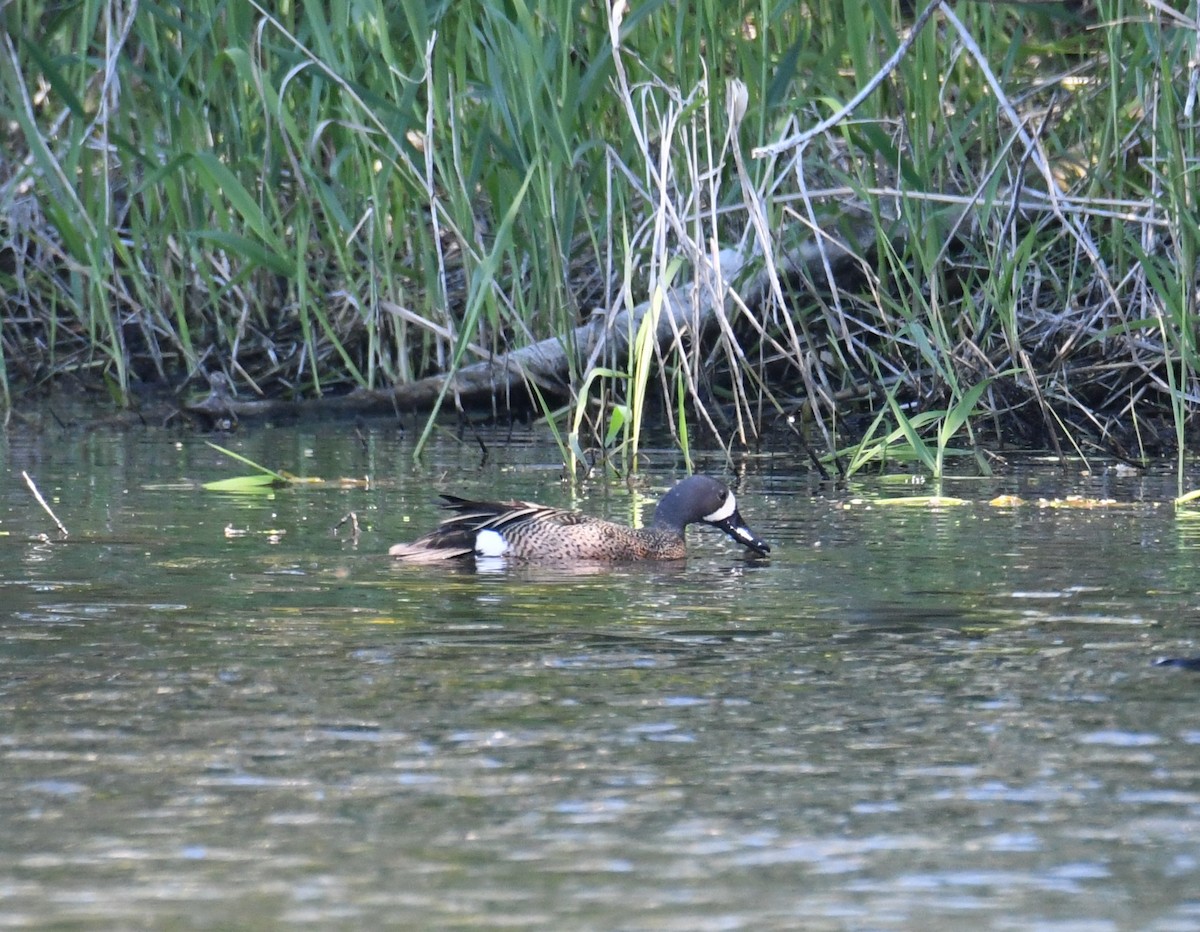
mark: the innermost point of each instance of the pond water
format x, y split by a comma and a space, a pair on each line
230, 711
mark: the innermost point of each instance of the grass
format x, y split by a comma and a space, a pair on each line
320, 197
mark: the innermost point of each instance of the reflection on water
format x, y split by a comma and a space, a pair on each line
904, 717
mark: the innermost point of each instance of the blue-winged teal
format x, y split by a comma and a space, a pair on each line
525, 531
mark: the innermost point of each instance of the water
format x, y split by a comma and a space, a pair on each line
218, 712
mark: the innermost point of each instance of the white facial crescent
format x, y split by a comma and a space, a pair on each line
725, 510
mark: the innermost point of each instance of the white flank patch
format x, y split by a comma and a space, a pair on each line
725, 510
490, 544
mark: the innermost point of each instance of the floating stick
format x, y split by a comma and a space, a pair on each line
41, 501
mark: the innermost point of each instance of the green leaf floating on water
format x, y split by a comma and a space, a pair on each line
264, 480
259, 483
920, 501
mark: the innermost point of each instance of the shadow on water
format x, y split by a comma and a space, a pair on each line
216, 712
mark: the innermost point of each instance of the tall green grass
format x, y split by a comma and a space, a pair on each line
317, 197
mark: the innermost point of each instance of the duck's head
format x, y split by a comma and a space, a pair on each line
704, 500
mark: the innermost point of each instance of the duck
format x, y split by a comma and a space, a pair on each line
526, 531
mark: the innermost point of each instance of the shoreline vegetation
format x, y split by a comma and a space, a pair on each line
898, 233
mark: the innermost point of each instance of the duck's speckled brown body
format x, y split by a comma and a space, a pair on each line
527, 531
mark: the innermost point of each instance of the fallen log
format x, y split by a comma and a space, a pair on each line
504, 382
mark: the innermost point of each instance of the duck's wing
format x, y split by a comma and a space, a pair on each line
499, 516
455, 536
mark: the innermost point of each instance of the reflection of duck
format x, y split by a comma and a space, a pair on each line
1185, 663
525, 531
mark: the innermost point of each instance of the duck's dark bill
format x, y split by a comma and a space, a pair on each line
736, 528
